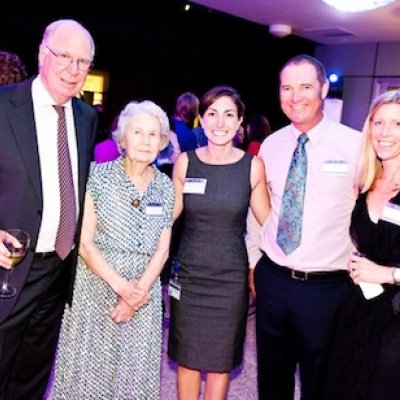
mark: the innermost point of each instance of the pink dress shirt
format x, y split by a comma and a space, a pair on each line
330, 196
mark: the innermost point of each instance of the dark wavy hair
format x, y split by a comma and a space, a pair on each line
220, 91
11, 68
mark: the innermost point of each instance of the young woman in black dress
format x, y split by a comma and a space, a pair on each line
366, 355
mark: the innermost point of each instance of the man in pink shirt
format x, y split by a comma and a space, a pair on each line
299, 291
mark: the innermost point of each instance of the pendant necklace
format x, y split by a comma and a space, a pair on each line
136, 202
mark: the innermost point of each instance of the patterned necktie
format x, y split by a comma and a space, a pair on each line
291, 215
67, 224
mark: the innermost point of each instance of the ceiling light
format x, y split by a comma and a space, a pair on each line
358, 5
333, 78
280, 30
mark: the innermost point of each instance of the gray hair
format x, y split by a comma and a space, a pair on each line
54, 26
141, 107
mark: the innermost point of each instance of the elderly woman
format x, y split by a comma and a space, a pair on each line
110, 345
366, 357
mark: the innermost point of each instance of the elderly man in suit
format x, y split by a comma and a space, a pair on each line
46, 140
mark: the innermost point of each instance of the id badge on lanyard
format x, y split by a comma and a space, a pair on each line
174, 287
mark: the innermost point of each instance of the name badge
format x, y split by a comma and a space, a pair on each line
195, 186
391, 213
154, 210
174, 289
337, 167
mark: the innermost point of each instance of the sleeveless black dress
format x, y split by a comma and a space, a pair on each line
208, 323
365, 361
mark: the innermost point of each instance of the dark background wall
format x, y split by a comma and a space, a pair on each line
158, 51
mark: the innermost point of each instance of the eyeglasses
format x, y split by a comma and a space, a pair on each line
66, 60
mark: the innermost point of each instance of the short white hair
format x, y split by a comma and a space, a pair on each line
64, 23
141, 107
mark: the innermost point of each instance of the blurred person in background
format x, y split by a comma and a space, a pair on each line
183, 119
240, 137
167, 157
12, 70
257, 129
199, 132
107, 150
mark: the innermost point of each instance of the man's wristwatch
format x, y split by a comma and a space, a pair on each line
396, 275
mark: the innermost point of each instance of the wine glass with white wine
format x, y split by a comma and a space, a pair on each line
18, 252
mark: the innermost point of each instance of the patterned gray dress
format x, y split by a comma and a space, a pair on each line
98, 358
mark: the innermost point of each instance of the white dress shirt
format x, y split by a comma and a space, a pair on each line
46, 120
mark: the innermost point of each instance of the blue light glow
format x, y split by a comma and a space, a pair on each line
333, 78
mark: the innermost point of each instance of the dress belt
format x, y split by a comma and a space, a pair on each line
308, 276
44, 256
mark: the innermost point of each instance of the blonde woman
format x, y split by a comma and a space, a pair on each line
366, 356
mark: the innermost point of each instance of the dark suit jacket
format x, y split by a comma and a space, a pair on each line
21, 199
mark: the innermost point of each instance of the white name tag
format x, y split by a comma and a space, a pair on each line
391, 213
195, 186
335, 167
174, 289
154, 210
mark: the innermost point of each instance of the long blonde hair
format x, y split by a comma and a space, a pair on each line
370, 166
